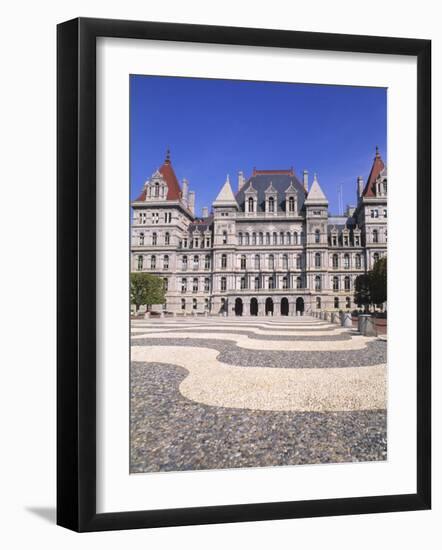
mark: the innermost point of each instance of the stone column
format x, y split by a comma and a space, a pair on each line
276, 307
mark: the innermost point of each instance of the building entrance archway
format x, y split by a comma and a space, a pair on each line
300, 306
284, 306
269, 306
253, 306
238, 307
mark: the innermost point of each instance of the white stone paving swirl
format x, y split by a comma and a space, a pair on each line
214, 383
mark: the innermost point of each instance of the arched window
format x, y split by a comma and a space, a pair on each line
247, 239
253, 238
257, 286
167, 238
207, 284
317, 259
223, 284
251, 203
271, 204
271, 262
298, 261
207, 261
318, 302
271, 282
184, 262
375, 236
243, 262
224, 237
275, 238
288, 238
348, 302
154, 239
298, 282
196, 262
242, 283
157, 189
261, 238
375, 257
317, 282
335, 261
141, 239
166, 262
285, 261
336, 302
257, 262
195, 284
281, 238
284, 282
166, 284
184, 284
347, 283
140, 263
295, 238
335, 283
317, 236
358, 263
291, 204
240, 239
153, 262
223, 261
267, 238
346, 261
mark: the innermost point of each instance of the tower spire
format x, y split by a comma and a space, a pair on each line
167, 160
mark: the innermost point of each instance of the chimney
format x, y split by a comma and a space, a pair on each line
360, 186
185, 191
305, 178
191, 204
241, 180
205, 212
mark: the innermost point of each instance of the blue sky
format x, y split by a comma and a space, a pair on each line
218, 127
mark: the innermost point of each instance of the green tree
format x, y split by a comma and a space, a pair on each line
378, 282
146, 289
362, 295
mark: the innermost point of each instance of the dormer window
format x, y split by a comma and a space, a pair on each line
271, 204
291, 204
251, 204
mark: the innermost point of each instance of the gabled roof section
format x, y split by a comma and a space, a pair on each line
376, 169
316, 194
168, 173
271, 189
291, 188
259, 182
225, 196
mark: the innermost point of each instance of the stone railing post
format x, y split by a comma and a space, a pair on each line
346, 321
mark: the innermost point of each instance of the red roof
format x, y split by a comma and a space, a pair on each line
173, 187
288, 172
376, 169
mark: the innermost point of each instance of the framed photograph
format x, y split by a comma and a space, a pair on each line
244, 246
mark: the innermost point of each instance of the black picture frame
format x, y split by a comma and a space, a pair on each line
76, 274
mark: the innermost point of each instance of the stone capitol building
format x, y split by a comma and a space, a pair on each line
269, 248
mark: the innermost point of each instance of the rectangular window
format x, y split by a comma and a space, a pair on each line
195, 285
206, 284
183, 285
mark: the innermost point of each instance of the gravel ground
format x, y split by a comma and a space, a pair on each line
172, 433
252, 336
375, 353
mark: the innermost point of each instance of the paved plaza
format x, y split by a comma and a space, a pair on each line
254, 391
